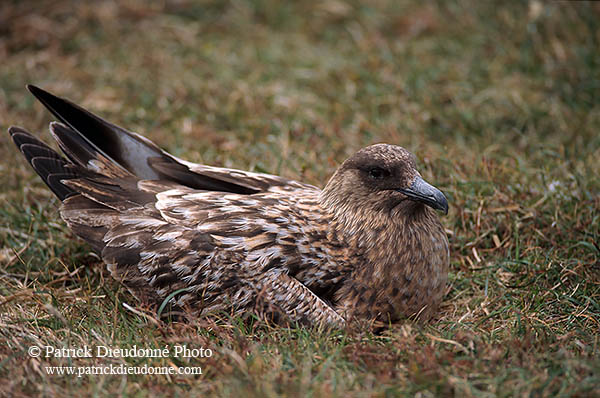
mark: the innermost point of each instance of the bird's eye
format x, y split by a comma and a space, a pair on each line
378, 173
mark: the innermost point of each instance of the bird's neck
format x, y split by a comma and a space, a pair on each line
382, 235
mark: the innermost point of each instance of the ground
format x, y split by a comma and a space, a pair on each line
499, 101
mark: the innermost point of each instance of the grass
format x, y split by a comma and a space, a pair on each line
500, 103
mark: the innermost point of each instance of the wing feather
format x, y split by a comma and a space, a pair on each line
84, 137
222, 237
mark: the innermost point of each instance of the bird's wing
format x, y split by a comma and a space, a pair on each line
221, 237
144, 159
49, 165
296, 301
273, 228
219, 251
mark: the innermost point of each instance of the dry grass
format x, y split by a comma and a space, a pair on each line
500, 104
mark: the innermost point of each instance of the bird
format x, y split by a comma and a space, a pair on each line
368, 247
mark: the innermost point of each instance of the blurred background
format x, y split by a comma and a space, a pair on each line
500, 102
249, 83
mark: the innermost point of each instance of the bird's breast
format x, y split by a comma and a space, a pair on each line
403, 273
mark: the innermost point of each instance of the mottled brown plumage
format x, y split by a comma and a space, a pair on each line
369, 246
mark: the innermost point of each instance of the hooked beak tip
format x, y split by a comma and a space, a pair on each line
421, 191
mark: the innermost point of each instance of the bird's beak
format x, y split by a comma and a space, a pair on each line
421, 191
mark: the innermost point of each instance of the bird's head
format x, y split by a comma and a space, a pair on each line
382, 177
